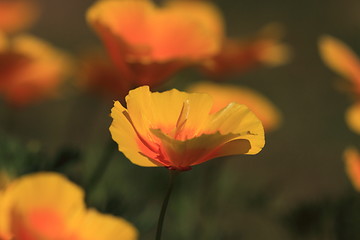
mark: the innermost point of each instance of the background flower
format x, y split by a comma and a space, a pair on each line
16, 15
48, 206
31, 69
165, 39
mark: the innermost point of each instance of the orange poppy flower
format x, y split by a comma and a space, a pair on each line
342, 60
149, 43
47, 206
17, 15
352, 165
240, 55
176, 129
222, 95
30, 69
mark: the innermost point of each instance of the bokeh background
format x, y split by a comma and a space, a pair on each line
296, 188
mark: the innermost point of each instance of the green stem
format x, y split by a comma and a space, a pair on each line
101, 166
172, 174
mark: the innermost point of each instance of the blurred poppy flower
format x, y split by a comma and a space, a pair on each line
352, 165
222, 95
177, 129
30, 69
352, 117
243, 54
16, 15
342, 60
47, 206
98, 75
149, 43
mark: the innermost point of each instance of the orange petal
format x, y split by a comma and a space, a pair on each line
17, 15
352, 165
340, 58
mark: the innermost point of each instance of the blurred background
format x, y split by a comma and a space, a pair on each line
296, 188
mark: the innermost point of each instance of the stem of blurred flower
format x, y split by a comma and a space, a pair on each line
100, 167
172, 174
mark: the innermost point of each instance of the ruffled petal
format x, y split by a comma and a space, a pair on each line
130, 143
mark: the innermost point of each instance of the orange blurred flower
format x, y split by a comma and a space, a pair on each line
222, 95
352, 165
239, 55
177, 129
30, 69
340, 58
47, 206
149, 43
16, 15
99, 75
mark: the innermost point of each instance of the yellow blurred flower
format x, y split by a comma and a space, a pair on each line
46, 206
149, 43
16, 15
30, 69
242, 54
352, 117
352, 165
177, 129
339, 57
222, 95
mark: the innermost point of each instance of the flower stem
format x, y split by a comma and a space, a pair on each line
172, 174
101, 166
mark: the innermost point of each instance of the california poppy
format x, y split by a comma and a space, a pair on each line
30, 69
149, 43
176, 129
47, 206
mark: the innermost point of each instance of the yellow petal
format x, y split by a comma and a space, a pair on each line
353, 117
238, 119
268, 113
340, 57
105, 227
162, 110
183, 154
123, 132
